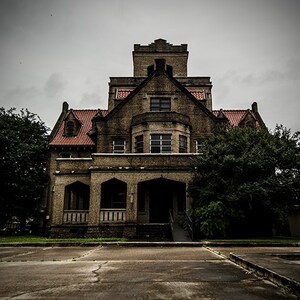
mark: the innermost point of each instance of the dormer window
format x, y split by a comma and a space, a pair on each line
70, 128
160, 104
72, 124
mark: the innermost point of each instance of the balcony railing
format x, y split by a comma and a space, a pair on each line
76, 216
112, 215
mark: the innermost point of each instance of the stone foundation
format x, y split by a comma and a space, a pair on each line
101, 231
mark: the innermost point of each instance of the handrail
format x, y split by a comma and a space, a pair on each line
190, 226
171, 222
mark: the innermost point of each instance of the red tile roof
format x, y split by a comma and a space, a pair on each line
82, 138
122, 93
199, 95
234, 116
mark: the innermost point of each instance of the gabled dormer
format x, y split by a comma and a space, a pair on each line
248, 120
72, 124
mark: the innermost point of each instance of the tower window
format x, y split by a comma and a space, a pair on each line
160, 143
160, 104
182, 144
139, 144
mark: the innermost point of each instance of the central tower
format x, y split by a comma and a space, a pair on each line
175, 56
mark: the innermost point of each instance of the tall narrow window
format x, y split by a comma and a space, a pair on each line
160, 143
118, 146
200, 145
160, 104
70, 128
139, 144
182, 144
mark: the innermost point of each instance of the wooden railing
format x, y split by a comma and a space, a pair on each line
112, 215
76, 216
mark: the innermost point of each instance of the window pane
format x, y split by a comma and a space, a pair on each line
160, 104
139, 144
119, 146
160, 143
182, 144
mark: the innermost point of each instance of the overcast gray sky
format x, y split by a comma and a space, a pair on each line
65, 50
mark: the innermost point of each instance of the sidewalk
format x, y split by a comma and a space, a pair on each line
280, 265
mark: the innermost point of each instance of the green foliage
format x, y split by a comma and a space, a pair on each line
23, 156
246, 183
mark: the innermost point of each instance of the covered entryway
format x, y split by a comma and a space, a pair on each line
113, 201
76, 203
159, 196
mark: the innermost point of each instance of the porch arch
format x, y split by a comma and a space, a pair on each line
113, 194
157, 197
76, 203
77, 196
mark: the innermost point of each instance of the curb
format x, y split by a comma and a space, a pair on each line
147, 244
97, 244
272, 276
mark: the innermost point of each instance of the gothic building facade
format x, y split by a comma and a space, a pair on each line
114, 170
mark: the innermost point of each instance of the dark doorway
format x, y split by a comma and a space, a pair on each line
162, 196
161, 200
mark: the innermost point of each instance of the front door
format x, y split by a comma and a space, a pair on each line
161, 201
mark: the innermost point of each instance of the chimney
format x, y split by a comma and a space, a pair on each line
65, 107
160, 65
254, 107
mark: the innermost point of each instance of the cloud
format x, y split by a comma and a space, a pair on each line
54, 86
90, 99
19, 97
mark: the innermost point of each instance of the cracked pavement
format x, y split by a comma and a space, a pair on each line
112, 272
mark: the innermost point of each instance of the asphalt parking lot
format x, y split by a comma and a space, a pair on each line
112, 272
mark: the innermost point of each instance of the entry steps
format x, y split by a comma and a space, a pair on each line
154, 232
162, 232
179, 234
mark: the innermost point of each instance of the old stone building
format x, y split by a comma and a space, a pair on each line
113, 171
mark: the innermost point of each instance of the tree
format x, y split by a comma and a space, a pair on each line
23, 157
246, 182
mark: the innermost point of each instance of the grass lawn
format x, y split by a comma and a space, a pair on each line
41, 239
258, 240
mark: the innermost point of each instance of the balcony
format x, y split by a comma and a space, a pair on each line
112, 215
75, 216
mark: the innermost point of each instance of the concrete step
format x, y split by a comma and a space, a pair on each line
154, 232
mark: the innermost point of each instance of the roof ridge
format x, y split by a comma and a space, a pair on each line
240, 110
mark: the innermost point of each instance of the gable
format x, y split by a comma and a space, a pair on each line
160, 85
239, 117
84, 117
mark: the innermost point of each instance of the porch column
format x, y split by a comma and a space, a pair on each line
94, 210
58, 192
131, 203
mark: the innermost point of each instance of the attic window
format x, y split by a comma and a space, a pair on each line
250, 124
70, 128
160, 104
